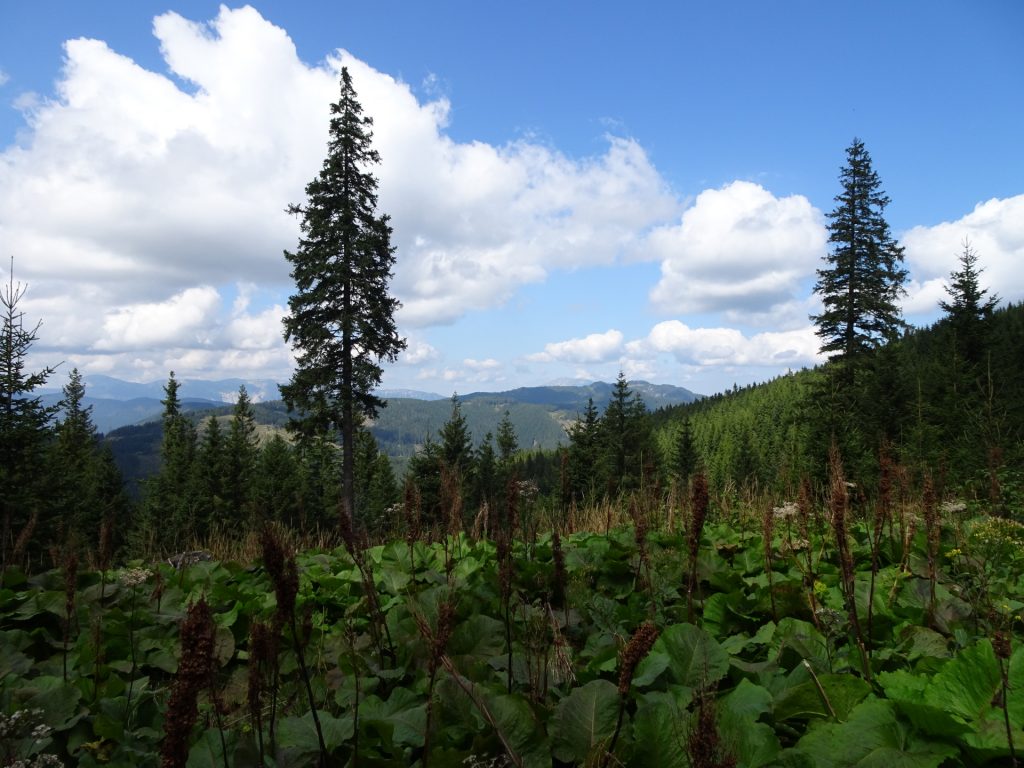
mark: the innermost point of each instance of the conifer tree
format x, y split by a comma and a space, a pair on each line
169, 511
456, 441
584, 448
277, 485
341, 318
240, 459
864, 276
684, 453
80, 489
968, 310
24, 420
211, 476
485, 479
508, 441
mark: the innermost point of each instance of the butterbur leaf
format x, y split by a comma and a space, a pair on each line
520, 729
404, 713
585, 721
298, 734
753, 743
660, 729
803, 700
873, 737
692, 657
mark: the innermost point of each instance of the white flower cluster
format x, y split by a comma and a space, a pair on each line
952, 507
11, 726
14, 726
39, 761
788, 510
501, 761
133, 577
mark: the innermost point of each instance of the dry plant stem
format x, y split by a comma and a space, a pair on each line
821, 691
767, 535
699, 507
638, 647
932, 532
839, 507
1002, 646
469, 688
70, 580
309, 692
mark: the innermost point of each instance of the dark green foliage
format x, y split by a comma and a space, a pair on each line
211, 478
456, 441
341, 318
508, 441
555, 685
864, 278
24, 421
85, 487
969, 312
376, 489
240, 459
170, 511
277, 486
685, 458
584, 455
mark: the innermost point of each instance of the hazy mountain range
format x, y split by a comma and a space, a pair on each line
118, 403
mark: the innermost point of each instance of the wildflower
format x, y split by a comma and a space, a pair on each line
952, 507
955, 552
133, 577
819, 587
788, 510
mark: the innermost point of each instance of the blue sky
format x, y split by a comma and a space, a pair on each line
575, 190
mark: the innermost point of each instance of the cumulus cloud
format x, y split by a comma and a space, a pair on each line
133, 187
595, 348
738, 249
995, 230
727, 346
417, 352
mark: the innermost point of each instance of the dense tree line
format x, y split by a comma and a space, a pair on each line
60, 491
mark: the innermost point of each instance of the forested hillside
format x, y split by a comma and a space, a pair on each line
921, 401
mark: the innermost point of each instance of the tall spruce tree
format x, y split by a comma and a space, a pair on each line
240, 460
341, 318
969, 311
169, 513
864, 278
24, 420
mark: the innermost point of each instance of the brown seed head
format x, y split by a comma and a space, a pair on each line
638, 647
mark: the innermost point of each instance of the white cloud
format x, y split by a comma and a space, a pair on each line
4, 78
490, 364
727, 346
738, 249
129, 190
417, 352
595, 348
995, 229
182, 320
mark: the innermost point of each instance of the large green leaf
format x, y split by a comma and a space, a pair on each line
803, 699
297, 735
802, 639
692, 657
753, 743
519, 729
585, 720
660, 730
404, 714
873, 737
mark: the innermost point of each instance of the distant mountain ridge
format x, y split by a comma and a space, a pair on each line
117, 403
